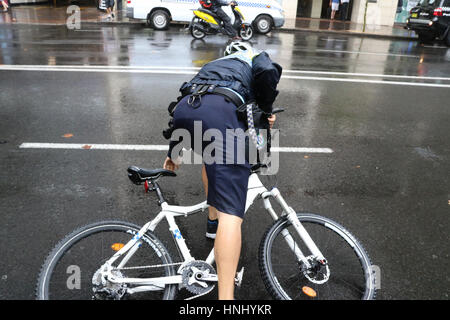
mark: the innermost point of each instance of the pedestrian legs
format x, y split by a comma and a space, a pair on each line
344, 11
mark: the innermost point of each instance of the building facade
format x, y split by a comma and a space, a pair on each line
379, 12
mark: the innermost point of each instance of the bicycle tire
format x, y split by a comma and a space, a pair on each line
272, 281
68, 242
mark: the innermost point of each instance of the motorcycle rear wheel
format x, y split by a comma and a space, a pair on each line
195, 31
246, 33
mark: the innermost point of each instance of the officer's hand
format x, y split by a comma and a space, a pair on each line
170, 165
272, 119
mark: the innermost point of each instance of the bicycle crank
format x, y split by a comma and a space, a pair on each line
199, 277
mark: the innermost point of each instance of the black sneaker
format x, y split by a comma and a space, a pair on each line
211, 228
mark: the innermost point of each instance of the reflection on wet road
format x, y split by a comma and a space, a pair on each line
137, 46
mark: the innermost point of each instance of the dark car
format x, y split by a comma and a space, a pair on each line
430, 19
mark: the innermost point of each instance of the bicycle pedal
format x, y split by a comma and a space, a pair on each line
239, 276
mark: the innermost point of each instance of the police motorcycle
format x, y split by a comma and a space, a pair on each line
205, 22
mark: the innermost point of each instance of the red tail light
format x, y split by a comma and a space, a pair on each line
128, 1
437, 12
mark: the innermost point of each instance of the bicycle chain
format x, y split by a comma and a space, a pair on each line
148, 267
199, 295
164, 265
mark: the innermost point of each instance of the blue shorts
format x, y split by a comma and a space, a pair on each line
227, 179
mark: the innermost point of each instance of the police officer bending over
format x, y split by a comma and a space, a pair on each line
212, 97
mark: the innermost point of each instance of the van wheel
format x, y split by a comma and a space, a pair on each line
159, 20
263, 24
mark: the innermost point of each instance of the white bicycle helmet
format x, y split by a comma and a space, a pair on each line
237, 46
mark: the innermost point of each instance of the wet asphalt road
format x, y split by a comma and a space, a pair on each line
387, 180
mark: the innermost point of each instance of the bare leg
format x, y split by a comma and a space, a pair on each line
227, 249
227, 246
212, 212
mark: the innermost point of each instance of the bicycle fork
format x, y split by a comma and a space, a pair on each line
291, 216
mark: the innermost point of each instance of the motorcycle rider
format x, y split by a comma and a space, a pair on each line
216, 7
212, 97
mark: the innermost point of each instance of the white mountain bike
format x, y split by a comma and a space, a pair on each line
301, 255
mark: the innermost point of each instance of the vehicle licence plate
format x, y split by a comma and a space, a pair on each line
413, 15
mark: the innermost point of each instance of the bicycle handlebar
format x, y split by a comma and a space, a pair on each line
277, 110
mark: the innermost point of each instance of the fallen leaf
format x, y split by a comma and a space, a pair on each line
86, 146
67, 135
306, 157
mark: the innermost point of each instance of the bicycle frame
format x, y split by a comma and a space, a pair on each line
255, 189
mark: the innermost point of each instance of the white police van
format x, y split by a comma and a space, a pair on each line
264, 14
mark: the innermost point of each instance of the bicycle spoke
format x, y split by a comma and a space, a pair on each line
90, 251
346, 282
347, 277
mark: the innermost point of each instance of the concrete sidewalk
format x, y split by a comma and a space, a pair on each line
49, 15
349, 28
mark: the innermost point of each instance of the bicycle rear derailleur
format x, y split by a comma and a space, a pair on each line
106, 290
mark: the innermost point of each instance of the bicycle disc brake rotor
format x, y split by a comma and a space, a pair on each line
318, 273
193, 273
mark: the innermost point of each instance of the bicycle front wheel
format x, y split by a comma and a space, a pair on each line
70, 271
347, 276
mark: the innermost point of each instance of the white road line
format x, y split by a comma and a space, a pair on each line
70, 69
418, 84
301, 150
163, 68
43, 66
192, 70
143, 147
90, 146
371, 53
365, 75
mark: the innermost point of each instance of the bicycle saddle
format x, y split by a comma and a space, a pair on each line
138, 175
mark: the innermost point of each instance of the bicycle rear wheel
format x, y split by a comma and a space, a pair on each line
69, 270
348, 275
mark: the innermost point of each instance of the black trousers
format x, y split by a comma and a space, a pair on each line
344, 10
226, 22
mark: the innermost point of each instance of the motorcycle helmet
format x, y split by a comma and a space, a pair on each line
237, 46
